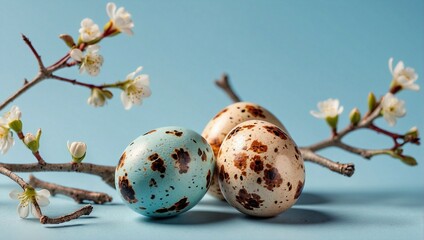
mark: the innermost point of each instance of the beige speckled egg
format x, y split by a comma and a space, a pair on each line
229, 117
260, 169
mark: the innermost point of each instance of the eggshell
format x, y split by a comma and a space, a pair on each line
229, 117
165, 171
260, 168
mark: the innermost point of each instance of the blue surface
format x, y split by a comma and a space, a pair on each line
284, 55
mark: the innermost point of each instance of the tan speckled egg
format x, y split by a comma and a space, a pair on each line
229, 117
260, 169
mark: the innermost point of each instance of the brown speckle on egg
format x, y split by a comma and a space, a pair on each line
298, 190
208, 179
204, 156
255, 111
149, 132
157, 163
249, 200
122, 160
240, 161
126, 190
224, 175
257, 164
152, 183
258, 147
182, 159
276, 131
272, 178
175, 132
178, 206
220, 113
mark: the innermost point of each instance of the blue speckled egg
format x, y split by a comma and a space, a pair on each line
165, 171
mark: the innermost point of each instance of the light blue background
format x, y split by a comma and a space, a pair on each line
284, 55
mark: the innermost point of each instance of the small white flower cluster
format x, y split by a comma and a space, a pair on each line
120, 21
6, 138
392, 107
134, 88
27, 198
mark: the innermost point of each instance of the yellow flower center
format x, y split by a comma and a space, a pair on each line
26, 197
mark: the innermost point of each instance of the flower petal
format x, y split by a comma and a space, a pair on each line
142, 80
398, 68
34, 211
42, 201
15, 194
146, 92
125, 100
76, 54
391, 65
44, 193
391, 120
414, 87
110, 9
23, 210
317, 114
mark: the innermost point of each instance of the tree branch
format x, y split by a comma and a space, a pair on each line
346, 169
77, 194
86, 210
224, 84
6, 172
107, 173
37, 56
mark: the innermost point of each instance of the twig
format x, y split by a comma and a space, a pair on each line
37, 56
347, 169
107, 173
75, 82
224, 84
78, 195
308, 152
6, 172
86, 210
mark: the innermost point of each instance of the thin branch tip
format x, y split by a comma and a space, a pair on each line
86, 210
348, 169
79, 195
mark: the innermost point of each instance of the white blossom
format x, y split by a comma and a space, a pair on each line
6, 139
91, 62
26, 199
329, 108
77, 150
98, 97
403, 77
392, 108
135, 89
89, 31
120, 18
10, 116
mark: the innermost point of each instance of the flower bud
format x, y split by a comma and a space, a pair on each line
412, 136
355, 116
77, 150
98, 97
332, 121
31, 142
68, 40
413, 132
16, 125
371, 102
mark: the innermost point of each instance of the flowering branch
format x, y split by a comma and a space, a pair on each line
107, 173
77, 194
389, 107
29, 195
